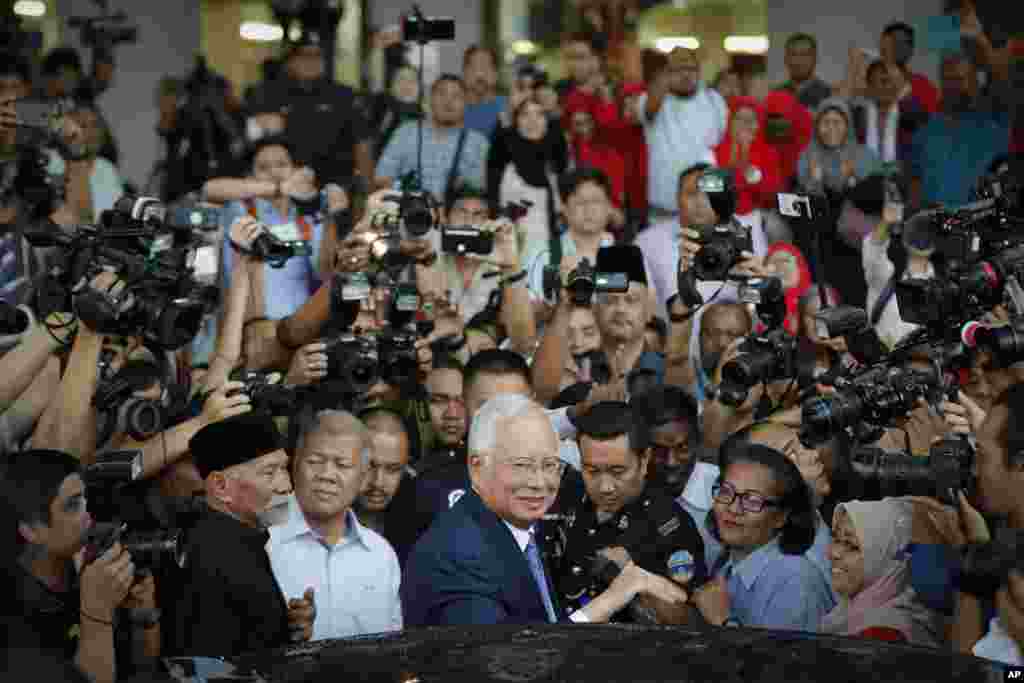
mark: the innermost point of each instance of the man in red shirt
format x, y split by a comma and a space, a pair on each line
897, 47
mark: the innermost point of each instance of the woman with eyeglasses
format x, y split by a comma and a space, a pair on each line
764, 517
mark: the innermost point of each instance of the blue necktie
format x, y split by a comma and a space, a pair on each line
537, 569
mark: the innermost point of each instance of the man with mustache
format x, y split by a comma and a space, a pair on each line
230, 602
621, 318
389, 474
323, 549
623, 516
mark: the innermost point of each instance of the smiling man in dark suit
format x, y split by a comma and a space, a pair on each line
479, 563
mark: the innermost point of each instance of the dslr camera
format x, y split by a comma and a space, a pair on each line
265, 395
722, 246
986, 567
875, 473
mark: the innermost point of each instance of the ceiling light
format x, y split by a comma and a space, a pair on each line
30, 8
260, 32
751, 45
669, 44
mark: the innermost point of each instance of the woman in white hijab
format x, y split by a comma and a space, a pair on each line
871, 576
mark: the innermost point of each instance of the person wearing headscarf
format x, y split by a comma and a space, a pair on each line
789, 127
834, 161
755, 164
524, 160
830, 168
790, 265
871, 576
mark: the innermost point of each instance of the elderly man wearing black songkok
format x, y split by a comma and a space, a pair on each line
230, 602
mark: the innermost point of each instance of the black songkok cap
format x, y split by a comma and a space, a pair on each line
234, 441
622, 258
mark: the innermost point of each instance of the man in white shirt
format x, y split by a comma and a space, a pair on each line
351, 569
683, 121
882, 308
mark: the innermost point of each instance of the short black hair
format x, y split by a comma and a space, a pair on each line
665, 404
609, 420
572, 180
475, 48
408, 426
495, 362
60, 58
900, 27
802, 38
797, 534
270, 141
30, 481
873, 67
12, 64
699, 167
447, 77
446, 361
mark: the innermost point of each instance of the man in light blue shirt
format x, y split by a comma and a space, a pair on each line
480, 75
440, 145
683, 122
352, 571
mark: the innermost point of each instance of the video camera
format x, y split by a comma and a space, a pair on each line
107, 30
582, 283
149, 253
470, 239
874, 397
118, 504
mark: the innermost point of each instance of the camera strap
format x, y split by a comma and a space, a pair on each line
453, 172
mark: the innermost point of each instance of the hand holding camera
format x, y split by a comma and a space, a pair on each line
308, 366
963, 416
243, 233
106, 583
226, 401
718, 252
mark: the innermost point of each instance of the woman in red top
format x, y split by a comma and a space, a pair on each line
755, 164
788, 128
587, 148
871, 576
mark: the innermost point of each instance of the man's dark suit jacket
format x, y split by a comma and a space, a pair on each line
468, 570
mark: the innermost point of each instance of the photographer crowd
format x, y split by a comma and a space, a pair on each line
591, 351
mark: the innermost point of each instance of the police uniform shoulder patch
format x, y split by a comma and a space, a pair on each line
681, 566
669, 526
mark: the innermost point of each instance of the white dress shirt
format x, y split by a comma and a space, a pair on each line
355, 581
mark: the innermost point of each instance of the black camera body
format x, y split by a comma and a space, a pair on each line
763, 358
986, 567
466, 239
583, 282
417, 28
1005, 343
105, 31
876, 396
161, 299
265, 395
353, 359
852, 324
117, 502
876, 473
722, 246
